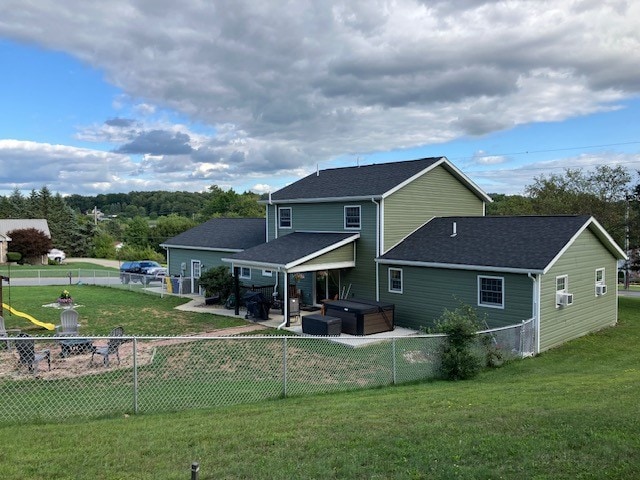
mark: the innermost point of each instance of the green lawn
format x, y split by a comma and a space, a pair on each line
569, 413
102, 308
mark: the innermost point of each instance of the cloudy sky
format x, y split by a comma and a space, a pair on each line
100, 97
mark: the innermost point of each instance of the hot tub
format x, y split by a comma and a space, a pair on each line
362, 317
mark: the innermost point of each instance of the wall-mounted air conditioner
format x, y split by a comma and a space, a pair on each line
601, 289
564, 299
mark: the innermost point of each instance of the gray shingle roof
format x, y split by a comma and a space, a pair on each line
289, 248
363, 181
522, 242
222, 233
8, 225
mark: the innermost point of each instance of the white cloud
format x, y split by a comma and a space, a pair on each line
286, 85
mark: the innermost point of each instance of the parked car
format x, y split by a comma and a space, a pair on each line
143, 271
56, 255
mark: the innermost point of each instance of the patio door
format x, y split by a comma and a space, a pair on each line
327, 285
196, 271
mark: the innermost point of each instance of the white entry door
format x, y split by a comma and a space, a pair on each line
196, 270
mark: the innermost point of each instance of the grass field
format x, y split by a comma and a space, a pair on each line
102, 308
572, 412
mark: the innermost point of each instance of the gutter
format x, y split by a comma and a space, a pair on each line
377, 204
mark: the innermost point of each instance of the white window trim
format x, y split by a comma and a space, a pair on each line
392, 290
490, 305
599, 282
267, 273
280, 209
564, 290
359, 217
245, 277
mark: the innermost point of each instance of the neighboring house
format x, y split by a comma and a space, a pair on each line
9, 225
203, 246
559, 270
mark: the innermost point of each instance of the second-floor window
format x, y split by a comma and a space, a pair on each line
284, 216
352, 216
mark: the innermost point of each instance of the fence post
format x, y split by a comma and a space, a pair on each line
284, 367
135, 375
393, 353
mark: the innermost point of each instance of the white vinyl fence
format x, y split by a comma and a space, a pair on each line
162, 374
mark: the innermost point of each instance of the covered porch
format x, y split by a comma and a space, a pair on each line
307, 267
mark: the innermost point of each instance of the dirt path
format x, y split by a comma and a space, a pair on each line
80, 365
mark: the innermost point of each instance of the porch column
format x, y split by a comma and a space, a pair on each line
236, 288
286, 298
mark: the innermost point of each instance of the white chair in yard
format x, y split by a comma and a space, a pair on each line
69, 325
4, 333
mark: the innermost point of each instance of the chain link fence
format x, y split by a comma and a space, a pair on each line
163, 374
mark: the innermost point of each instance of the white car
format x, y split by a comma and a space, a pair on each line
56, 255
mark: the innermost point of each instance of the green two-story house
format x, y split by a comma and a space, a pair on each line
325, 231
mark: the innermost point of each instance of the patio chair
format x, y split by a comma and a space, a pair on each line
69, 325
25, 345
111, 348
4, 333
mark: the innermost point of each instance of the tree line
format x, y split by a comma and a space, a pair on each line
141, 221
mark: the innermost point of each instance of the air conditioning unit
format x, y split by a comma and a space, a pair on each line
601, 289
564, 299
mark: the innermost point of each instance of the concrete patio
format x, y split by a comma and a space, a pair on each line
275, 319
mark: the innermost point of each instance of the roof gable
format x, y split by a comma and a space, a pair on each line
227, 234
292, 249
522, 243
365, 181
7, 225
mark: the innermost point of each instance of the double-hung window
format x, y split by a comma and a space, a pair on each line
601, 285
490, 292
284, 217
395, 280
245, 272
352, 217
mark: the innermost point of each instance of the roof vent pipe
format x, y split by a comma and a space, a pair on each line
454, 229
317, 169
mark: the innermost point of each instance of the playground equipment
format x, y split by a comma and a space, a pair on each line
48, 326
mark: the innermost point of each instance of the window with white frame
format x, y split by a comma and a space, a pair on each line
562, 284
352, 216
490, 291
267, 273
245, 272
395, 280
284, 217
601, 285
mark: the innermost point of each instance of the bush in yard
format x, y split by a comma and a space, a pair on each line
459, 358
14, 256
217, 281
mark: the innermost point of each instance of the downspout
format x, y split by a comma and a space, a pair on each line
377, 248
285, 305
536, 310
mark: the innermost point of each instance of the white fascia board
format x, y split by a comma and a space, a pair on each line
208, 249
456, 266
287, 201
322, 251
453, 170
599, 232
256, 265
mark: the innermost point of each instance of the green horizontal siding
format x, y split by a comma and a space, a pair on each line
588, 312
427, 292
435, 194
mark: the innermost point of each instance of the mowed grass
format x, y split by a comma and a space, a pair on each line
572, 412
102, 308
